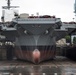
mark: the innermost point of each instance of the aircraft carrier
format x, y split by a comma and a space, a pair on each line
34, 36
28, 45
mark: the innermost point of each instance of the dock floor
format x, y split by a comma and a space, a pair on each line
58, 66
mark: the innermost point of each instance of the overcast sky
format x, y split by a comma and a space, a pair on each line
63, 9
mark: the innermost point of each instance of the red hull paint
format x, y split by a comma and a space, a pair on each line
28, 55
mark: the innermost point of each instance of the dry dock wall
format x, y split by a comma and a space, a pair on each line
3, 53
6, 52
71, 53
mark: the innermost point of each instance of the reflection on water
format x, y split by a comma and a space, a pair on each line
59, 66
37, 70
69, 70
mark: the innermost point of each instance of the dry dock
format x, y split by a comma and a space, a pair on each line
59, 66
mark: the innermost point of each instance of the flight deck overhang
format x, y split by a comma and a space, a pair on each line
36, 20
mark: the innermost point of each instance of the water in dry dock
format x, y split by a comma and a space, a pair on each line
59, 66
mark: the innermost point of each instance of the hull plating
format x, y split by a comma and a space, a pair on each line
35, 54
35, 43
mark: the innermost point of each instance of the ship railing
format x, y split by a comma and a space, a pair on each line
37, 20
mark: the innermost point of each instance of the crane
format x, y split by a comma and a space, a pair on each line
8, 5
75, 7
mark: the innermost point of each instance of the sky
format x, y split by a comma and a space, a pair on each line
63, 9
